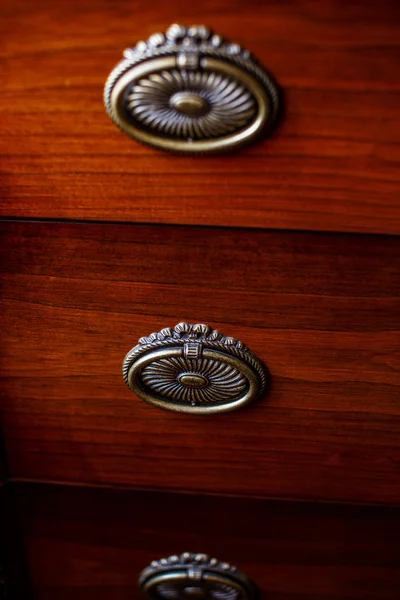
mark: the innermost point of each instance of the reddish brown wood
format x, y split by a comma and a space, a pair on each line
332, 165
92, 543
322, 311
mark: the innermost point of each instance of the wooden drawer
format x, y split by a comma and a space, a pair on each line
252, 244
93, 543
322, 311
332, 165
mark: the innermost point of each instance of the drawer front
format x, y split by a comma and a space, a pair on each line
332, 164
93, 543
321, 311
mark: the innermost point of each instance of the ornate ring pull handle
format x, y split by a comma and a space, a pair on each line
190, 91
194, 369
195, 577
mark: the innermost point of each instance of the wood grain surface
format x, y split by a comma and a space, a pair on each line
321, 310
333, 164
91, 544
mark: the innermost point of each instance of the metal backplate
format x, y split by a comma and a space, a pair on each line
195, 577
194, 369
190, 91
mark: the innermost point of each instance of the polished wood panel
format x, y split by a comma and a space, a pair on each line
322, 311
91, 544
333, 164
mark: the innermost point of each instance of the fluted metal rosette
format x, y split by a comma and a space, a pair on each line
194, 369
220, 104
189, 90
195, 576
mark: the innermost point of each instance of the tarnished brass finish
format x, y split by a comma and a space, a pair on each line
195, 577
194, 369
190, 91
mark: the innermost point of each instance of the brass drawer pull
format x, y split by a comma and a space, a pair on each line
197, 577
194, 369
190, 91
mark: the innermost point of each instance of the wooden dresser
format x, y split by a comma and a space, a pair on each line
288, 245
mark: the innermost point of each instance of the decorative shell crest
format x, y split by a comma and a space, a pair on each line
192, 38
184, 332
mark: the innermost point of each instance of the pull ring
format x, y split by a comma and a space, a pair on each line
190, 91
194, 369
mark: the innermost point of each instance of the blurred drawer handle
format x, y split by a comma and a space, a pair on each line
190, 91
194, 369
195, 577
